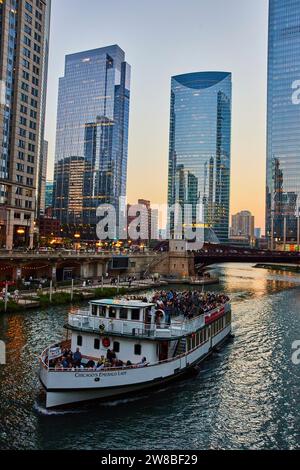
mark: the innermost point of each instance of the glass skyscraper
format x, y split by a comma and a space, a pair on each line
199, 154
92, 129
283, 121
49, 194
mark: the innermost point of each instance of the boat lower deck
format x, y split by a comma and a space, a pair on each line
68, 386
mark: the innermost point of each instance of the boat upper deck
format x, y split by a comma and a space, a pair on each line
152, 320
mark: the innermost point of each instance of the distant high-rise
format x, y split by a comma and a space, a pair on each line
68, 188
149, 220
243, 224
283, 121
24, 39
92, 129
199, 154
42, 177
257, 232
49, 194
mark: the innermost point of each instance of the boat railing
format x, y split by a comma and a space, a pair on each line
83, 320
124, 327
118, 368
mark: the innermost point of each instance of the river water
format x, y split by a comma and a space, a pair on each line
245, 397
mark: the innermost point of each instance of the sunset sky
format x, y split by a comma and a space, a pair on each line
162, 38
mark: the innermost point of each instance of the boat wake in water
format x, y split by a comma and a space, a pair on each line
42, 410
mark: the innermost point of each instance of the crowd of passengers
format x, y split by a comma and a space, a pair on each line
187, 303
73, 361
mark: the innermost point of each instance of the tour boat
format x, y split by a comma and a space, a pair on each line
152, 349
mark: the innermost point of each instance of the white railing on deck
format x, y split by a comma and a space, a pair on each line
134, 328
85, 321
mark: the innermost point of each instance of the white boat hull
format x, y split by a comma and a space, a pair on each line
69, 387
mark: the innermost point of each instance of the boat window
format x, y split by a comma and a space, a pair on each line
112, 312
102, 312
137, 349
94, 310
97, 343
79, 340
123, 313
135, 315
116, 346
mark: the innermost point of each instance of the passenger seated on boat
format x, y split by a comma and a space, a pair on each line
65, 363
128, 364
77, 358
52, 364
59, 365
100, 366
143, 362
111, 355
90, 364
113, 363
67, 353
101, 360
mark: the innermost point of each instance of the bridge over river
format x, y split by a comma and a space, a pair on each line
212, 254
60, 266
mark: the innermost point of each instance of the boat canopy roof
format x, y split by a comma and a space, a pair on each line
123, 303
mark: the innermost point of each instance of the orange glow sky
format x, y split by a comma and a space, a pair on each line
162, 38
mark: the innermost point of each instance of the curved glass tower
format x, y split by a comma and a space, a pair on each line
199, 154
283, 121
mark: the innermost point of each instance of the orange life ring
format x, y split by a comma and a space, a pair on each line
106, 342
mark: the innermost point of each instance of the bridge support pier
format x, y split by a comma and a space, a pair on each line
90, 270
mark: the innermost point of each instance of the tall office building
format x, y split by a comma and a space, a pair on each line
92, 128
43, 144
149, 222
49, 195
42, 177
24, 36
243, 224
199, 154
69, 174
283, 121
